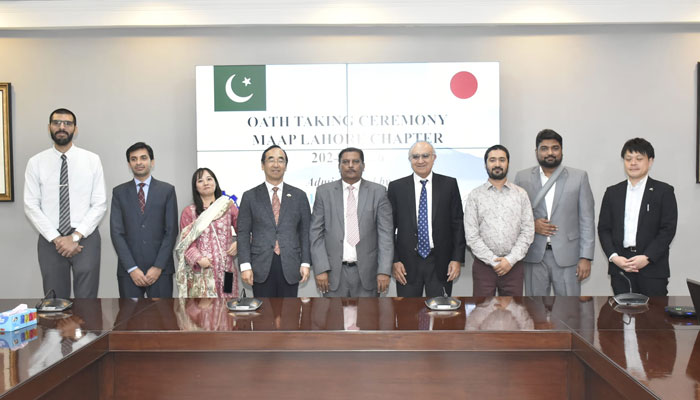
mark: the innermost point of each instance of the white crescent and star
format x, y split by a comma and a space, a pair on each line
232, 95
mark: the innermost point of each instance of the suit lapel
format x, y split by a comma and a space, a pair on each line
152, 193
559, 189
646, 199
361, 201
263, 198
411, 195
337, 200
536, 181
284, 204
436, 196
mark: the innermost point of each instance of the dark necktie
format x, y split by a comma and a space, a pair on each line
423, 236
64, 199
276, 211
142, 197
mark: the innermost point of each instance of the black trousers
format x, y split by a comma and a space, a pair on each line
275, 285
427, 278
640, 284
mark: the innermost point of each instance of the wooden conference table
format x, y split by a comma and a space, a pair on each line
388, 348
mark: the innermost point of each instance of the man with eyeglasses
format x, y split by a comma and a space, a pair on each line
273, 231
352, 243
429, 241
64, 199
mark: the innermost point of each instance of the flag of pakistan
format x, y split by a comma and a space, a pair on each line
239, 88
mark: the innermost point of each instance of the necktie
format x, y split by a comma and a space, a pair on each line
351, 217
64, 199
142, 197
276, 212
423, 237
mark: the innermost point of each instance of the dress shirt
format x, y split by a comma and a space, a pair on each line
270, 192
86, 188
499, 223
429, 191
633, 203
349, 251
549, 197
145, 187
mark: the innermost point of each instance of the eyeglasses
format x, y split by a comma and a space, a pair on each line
58, 122
419, 156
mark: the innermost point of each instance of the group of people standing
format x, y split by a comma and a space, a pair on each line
538, 231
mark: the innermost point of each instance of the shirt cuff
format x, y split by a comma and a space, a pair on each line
611, 256
245, 267
307, 265
131, 269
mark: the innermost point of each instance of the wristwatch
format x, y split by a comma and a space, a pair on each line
75, 237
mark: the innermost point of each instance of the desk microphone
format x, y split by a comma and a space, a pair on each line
630, 299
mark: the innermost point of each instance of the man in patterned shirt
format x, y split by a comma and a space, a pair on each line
499, 227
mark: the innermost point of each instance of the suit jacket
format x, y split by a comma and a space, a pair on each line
447, 224
147, 239
656, 227
375, 250
572, 213
256, 221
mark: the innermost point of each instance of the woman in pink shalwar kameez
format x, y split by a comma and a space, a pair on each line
216, 247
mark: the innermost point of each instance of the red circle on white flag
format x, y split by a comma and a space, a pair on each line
463, 85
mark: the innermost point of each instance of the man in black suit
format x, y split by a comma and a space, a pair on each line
143, 227
428, 220
273, 232
637, 223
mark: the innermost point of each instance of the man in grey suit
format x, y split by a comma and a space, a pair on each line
561, 254
352, 245
143, 227
273, 232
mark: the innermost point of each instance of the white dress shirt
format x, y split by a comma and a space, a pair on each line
549, 197
86, 188
270, 192
633, 203
349, 251
429, 191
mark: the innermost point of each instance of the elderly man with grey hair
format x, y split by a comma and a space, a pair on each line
429, 240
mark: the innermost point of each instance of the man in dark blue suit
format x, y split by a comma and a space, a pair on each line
637, 223
143, 226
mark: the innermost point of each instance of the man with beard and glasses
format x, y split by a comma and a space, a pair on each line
64, 198
562, 204
143, 227
499, 227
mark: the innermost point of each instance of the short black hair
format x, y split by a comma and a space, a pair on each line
139, 146
638, 145
198, 205
63, 111
274, 146
546, 134
496, 147
352, 150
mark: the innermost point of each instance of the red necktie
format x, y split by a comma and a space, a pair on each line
142, 197
276, 211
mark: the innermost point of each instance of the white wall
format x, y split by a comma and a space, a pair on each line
597, 85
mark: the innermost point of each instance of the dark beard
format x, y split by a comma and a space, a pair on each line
497, 176
62, 142
546, 164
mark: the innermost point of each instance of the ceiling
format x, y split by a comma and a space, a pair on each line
58, 14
